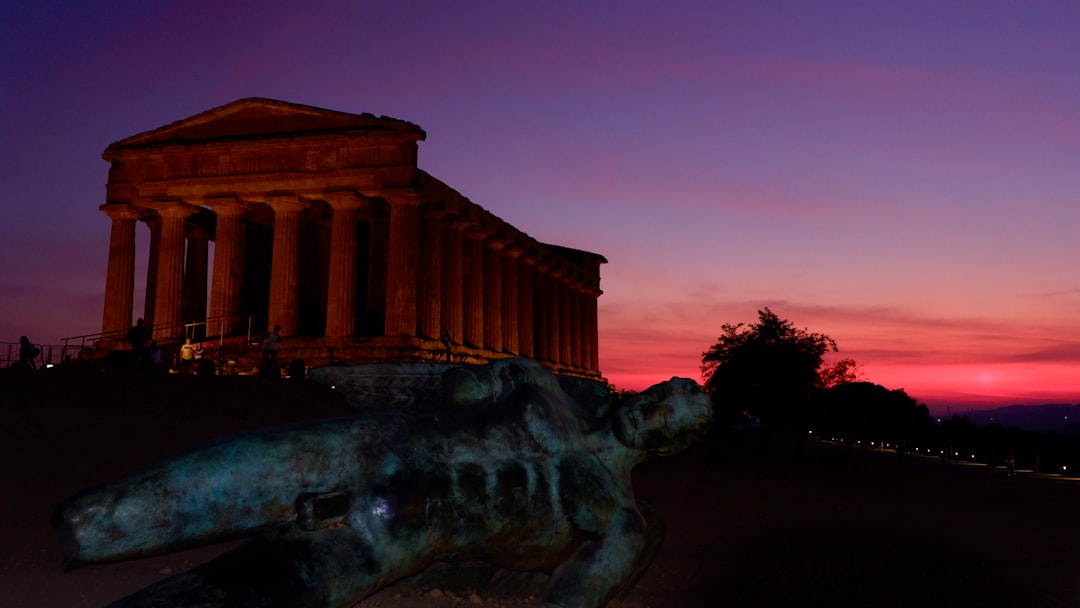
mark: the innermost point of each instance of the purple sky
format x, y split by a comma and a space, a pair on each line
905, 180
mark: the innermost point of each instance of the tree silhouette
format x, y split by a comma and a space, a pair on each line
768, 370
874, 413
844, 371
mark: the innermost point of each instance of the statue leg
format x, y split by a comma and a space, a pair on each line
284, 568
610, 566
655, 530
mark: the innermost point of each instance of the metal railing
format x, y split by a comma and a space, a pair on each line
49, 355
237, 328
212, 328
90, 341
220, 328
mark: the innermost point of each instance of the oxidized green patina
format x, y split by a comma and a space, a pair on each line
502, 463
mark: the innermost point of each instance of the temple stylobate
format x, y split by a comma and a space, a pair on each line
322, 223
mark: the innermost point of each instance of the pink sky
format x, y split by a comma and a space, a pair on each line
904, 180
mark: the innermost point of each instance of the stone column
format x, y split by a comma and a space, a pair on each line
577, 337
474, 287
591, 330
493, 336
341, 291
453, 322
552, 291
431, 276
168, 320
284, 266
195, 273
153, 223
403, 265
510, 308
378, 253
565, 336
541, 335
120, 280
225, 303
526, 280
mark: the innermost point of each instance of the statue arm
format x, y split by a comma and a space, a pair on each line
602, 567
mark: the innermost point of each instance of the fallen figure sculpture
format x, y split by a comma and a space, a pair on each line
504, 463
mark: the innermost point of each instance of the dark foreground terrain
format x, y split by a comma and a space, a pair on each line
744, 528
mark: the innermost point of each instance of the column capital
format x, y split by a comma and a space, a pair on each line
457, 222
405, 198
432, 211
513, 250
285, 203
344, 200
173, 208
226, 205
495, 242
475, 232
121, 211
573, 280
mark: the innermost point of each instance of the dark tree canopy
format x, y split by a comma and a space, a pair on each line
873, 412
844, 371
769, 370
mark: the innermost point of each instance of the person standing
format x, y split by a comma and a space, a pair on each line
270, 366
27, 353
187, 355
136, 337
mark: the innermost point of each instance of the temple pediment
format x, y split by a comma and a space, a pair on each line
257, 117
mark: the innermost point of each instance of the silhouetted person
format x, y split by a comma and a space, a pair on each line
153, 356
297, 369
270, 366
445, 339
136, 337
27, 354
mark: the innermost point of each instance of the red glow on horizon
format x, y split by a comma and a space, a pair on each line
981, 386
943, 387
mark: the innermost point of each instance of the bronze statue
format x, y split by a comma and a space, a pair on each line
497, 463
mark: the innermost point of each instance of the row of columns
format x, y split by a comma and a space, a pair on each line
446, 277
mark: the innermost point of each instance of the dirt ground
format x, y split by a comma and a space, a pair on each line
744, 529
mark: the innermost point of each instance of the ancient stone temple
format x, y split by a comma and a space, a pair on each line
322, 223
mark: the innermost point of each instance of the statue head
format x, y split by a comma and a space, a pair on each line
665, 418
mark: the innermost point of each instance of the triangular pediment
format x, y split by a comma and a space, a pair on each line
260, 117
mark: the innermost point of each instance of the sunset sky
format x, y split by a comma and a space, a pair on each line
902, 176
